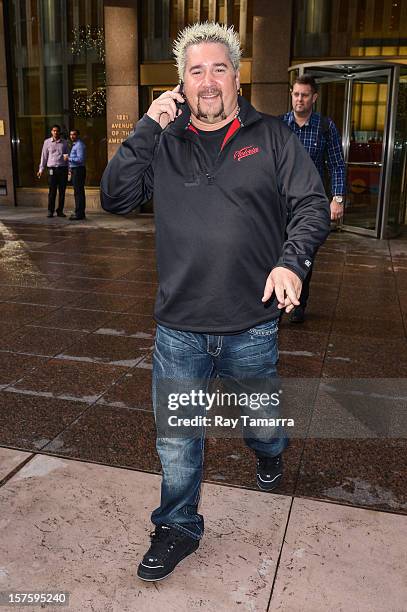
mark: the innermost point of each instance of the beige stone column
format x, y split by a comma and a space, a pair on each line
121, 43
272, 27
6, 166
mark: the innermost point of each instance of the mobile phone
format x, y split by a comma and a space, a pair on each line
179, 105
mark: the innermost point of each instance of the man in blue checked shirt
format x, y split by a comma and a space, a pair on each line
77, 170
322, 140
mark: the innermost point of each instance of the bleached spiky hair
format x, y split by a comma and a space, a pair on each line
209, 31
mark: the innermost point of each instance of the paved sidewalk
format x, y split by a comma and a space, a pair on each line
78, 466
79, 527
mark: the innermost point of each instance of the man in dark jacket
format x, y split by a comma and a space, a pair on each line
224, 177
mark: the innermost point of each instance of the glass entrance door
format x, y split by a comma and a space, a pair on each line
360, 99
366, 130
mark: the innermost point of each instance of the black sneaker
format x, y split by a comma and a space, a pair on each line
61, 214
168, 547
298, 315
50, 214
269, 472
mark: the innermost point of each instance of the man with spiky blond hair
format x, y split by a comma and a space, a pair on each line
224, 177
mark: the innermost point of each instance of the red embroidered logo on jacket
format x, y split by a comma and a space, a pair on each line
245, 152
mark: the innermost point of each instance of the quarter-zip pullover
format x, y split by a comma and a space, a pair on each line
220, 229
211, 143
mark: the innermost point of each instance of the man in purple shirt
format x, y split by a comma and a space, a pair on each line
54, 157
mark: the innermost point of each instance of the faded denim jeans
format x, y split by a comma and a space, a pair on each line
194, 356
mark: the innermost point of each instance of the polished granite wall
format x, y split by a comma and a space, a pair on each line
76, 338
6, 168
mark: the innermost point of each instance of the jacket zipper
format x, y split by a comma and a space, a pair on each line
190, 162
208, 173
211, 175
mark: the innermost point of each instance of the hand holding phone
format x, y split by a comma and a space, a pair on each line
167, 107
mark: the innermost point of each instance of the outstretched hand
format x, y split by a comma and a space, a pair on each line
287, 287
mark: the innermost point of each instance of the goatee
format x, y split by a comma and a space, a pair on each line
220, 115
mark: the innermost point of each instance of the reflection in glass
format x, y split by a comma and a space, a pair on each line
365, 159
398, 187
163, 19
344, 28
331, 103
58, 77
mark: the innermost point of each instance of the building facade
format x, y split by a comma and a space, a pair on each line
97, 64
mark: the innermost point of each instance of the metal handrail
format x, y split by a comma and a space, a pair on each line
377, 164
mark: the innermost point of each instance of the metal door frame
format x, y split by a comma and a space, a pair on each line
377, 232
392, 70
391, 115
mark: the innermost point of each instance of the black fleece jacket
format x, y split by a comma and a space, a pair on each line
220, 230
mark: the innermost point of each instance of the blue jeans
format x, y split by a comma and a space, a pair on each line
191, 356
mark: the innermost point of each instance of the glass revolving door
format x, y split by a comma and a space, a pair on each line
367, 102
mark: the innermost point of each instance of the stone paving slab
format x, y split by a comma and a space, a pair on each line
9, 460
341, 558
95, 219
78, 527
